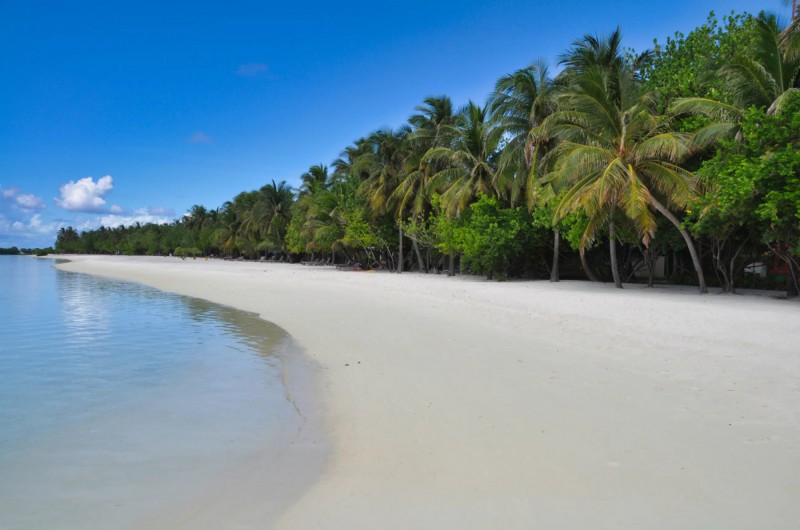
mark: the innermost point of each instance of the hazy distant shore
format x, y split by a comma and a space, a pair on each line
461, 403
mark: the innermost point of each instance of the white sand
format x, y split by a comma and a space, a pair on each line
455, 403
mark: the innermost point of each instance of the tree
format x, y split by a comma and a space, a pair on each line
756, 185
432, 127
489, 236
519, 105
686, 65
764, 75
384, 163
468, 162
615, 152
67, 241
315, 179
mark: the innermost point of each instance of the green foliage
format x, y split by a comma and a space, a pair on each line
488, 236
755, 185
573, 227
184, 253
687, 65
298, 233
358, 231
423, 230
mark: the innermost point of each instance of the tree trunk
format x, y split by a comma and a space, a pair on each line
451, 268
422, 266
720, 268
400, 254
792, 288
586, 269
701, 280
554, 276
612, 243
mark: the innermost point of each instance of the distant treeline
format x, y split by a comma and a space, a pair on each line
14, 251
680, 163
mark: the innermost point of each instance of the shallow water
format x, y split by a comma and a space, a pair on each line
115, 397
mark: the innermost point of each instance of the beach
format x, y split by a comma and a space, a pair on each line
469, 404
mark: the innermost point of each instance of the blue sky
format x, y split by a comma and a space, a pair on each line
113, 112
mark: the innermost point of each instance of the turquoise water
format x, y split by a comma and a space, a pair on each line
115, 397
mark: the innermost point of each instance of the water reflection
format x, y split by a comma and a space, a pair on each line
250, 331
84, 310
103, 382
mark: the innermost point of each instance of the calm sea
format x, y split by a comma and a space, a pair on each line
115, 396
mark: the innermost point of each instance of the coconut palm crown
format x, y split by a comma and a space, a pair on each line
468, 161
519, 105
616, 152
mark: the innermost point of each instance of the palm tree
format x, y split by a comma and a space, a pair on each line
315, 179
468, 162
605, 54
196, 217
616, 153
519, 105
274, 207
432, 127
345, 167
790, 38
384, 163
239, 223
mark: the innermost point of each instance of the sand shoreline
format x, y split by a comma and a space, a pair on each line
459, 403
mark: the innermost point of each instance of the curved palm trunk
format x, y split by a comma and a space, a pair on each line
612, 244
554, 277
400, 254
420, 260
701, 280
586, 269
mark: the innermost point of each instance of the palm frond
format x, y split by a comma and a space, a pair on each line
674, 182
777, 106
635, 201
673, 146
715, 110
713, 133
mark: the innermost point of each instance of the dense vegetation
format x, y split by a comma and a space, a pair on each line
689, 151
14, 251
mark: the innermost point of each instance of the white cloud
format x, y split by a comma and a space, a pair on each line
29, 202
25, 201
251, 69
155, 210
113, 221
115, 208
35, 227
200, 138
85, 195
